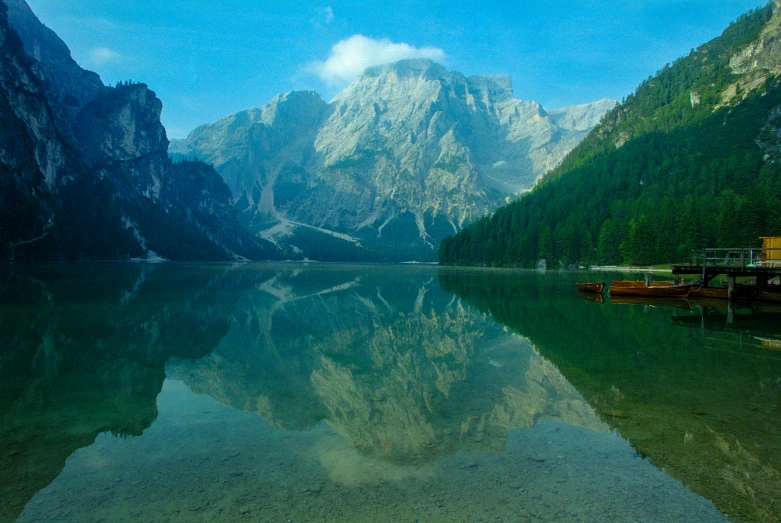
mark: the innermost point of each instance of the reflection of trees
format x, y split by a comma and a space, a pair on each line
82, 351
709, 417
399, 368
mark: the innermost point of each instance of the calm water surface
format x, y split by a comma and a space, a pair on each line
377, 393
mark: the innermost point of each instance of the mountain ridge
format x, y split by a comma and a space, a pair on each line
406, 154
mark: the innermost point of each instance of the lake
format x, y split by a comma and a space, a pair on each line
258, 392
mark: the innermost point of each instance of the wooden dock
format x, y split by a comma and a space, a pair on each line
761, 263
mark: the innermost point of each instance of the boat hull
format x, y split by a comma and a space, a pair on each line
669, 291
591, 287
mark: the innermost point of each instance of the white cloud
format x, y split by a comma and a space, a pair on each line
102, 56
323, 17
348, 58
328, 15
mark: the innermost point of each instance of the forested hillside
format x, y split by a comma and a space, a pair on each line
689, 160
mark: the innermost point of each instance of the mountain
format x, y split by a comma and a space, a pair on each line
690, 160
84, 168
408, 153
70, 86
42, 175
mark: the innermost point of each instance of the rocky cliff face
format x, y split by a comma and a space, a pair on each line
407, 154
70, 86
32, 159
86, 170
44, 182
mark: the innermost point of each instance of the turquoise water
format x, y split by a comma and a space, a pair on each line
376, 393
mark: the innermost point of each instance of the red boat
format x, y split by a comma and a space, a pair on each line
626, 283
591, 287
660, 290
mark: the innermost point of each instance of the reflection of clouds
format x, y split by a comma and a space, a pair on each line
346, 466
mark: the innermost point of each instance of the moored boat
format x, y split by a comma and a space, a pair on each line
626, 283
659, 291
709, 292
591, 287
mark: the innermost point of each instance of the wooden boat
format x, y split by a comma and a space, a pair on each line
742, 292
632, 283
659, 291
641, 284
591, 287
709, 292
626, 283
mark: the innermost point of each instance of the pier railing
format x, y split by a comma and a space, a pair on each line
738, 258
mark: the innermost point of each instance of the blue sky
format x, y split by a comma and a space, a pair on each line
209, 58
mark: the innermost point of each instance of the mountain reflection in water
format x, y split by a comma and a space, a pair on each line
83, 350
402, 365
397, 367
689, 390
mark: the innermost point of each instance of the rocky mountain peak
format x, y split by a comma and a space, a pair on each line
491, 89
122, 124
64, 81
411, 68
293, 105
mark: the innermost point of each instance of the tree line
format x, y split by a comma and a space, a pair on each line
665, 172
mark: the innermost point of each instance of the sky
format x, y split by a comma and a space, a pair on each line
209, 58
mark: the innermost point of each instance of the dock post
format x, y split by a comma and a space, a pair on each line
730, 313
731, 287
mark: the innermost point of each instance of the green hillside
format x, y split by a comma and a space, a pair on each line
689, 160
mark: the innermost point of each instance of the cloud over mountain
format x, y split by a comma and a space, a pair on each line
350, 57
102, 56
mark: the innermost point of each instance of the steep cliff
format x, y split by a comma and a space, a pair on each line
43, 181
70, 86
408, 153
85, 171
